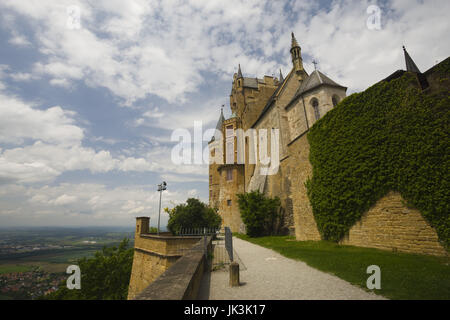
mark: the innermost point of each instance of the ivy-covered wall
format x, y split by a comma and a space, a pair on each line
391, 137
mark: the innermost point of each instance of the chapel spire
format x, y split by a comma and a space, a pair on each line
281, 77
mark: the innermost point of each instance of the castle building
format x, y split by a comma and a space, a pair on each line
263, 146
290, 104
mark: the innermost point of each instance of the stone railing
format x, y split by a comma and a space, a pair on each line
182, 280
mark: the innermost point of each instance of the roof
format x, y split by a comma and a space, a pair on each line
410, 65
219, 125
315, 80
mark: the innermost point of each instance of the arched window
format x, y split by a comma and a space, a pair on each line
335, 100
315, 105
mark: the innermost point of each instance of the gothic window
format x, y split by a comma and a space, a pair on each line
335, 100
210, 179
229, 203
229, 174
229, 144
213, 152
315, 105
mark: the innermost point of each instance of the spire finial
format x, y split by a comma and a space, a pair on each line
315, 64
294, 41
281, 76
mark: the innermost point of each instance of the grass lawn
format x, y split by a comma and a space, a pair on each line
403, 276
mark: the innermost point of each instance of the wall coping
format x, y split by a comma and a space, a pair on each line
167, 236
176, 281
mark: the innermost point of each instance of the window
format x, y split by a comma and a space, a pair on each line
229, 132
210, 179
229, 174
229, 203
213, 153
315, 105
335, 100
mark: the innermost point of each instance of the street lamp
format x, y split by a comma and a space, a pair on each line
161, 188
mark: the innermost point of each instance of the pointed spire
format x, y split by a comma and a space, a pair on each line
281, 77
410, 65
239, 72
219, 124
294, 41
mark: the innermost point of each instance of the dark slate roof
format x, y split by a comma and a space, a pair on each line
410, 65
316, 79
219, 125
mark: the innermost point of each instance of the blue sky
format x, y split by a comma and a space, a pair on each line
86, 114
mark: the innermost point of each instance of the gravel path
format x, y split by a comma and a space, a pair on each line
269, 275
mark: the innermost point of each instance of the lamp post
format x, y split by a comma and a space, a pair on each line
161, 188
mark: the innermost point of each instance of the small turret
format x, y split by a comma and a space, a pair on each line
296, 54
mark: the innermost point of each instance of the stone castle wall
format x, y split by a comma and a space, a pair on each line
153, 255
391, 225
301, 171
388, 225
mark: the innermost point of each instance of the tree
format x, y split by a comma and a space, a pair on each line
104, 277
192, 214
259, 213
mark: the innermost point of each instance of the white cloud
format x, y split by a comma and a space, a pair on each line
20, 121
162, 47
63, 200
51, 143
20, 41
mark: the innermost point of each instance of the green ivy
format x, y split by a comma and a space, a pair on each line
389, 137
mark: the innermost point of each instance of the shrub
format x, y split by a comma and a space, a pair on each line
192, 214
104, 277
259, 213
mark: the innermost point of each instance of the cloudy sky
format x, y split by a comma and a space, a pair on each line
87, 110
